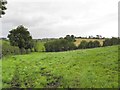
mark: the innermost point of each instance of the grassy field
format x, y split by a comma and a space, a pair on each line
78, 41
89, 68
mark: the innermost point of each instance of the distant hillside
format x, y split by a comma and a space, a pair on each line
78, 41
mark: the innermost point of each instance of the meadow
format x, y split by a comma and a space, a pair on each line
87, 68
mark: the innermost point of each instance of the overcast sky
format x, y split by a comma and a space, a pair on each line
57, 18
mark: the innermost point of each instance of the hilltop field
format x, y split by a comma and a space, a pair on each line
87, 68
78, 41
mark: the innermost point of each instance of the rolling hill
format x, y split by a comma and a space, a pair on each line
78, 41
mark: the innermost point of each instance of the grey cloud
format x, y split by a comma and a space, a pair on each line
55, 18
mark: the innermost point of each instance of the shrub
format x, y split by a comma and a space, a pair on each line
9, 50
23, 51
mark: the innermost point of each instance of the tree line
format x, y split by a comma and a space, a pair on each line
91, 44
59, 45
20, 37
65, 44
112, 41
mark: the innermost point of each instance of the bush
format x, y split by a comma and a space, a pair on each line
59, 45
22, 51
9, 50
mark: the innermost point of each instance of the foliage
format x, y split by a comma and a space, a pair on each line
2, 7
97, 44
39, 46
91, 68
91, 44
21, 37
59, 45
70, 38
111, 41
83, 44
7, 49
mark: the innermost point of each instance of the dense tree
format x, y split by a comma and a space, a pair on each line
70, 38
107, 42
114, 41
111, 41
20, 37
2, 7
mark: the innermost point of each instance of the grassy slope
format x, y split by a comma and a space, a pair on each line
81, 68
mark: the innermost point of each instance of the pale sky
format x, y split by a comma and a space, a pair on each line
57, 18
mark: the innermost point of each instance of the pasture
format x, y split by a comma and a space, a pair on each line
88, 68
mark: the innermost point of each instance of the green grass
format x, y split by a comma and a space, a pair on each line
90, 68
